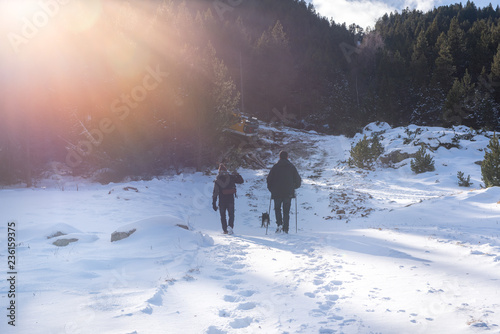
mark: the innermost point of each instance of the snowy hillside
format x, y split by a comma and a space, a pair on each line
381, 251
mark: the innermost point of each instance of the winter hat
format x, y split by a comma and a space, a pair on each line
283, 155
222, 168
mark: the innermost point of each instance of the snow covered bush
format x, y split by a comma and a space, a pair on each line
490, 168
462, 181
412, 135
365, 152
422, 162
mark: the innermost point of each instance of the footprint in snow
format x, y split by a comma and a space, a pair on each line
480, 324
233, 284
214, 330
310, 295
247, 293
332, 297
236, 281
238, 266
335, 317
333, 286
318, 282
226, 272
325, 306
231, 259
241, 323
231, 299
348, 322
316, 313
246, 306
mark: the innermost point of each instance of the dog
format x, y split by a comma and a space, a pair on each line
265, 219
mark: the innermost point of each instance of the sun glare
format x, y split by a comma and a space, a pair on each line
81, 16
65, 50
18, 9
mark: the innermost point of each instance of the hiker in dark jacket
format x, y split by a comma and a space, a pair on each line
225, 190
282, 181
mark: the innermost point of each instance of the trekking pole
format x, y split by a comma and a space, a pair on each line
296, 214
269, 214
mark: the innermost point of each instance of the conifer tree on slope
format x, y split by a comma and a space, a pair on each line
490, 168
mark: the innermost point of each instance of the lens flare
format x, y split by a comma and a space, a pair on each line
82, 15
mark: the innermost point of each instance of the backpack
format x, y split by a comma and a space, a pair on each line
228, 187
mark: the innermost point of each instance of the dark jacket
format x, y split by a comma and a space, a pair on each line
283, 179
223, 185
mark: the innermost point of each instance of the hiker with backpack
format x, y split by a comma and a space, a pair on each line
282, 181
225, 190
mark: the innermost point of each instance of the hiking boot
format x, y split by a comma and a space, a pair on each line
229, 230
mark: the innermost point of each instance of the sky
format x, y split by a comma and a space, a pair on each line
366, 12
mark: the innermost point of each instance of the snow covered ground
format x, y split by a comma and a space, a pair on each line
383, 251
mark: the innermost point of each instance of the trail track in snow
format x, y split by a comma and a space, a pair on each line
323, 276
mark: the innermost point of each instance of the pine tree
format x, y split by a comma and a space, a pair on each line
490, 168
444, 63
456, 41
224, 94
478, 38
274, 73
495, 66
278, 36
423, 162
432, 33
462, 180
419, 60
459, 101
485, 108
453, 112
365, 152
